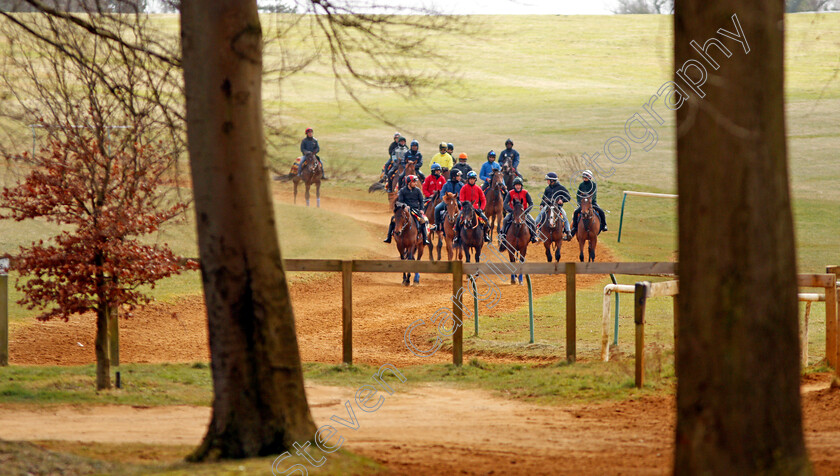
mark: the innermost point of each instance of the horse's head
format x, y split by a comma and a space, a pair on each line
409, 167
497, 180
516, 206
467, 212
402, 218
586, 207
452, 206
310, 160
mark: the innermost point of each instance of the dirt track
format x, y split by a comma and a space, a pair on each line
470, 432
382, 308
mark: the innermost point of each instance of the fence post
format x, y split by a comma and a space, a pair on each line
347, 312
457, 303
640, 299
571, 313
114, 335
475, 302
4, 317
530, 306
621, 220
832, 343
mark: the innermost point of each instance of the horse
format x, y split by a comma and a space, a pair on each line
588, 228
312, 173
429, 211
408, 238
409, 169
551, 230
394, 186
447, 229
495, 210
472, 236
508, 175
518, 237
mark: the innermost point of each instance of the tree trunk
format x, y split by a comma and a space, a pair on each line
259, 405
738, 401
103, 360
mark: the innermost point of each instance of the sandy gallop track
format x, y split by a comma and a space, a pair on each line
382, 309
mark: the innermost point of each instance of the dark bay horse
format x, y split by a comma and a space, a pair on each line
312, 173
472, 235
589, 227
447, 228
495, 210
408, 238
551, 230
518, 237
508, 175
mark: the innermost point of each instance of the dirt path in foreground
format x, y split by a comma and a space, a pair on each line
433, 429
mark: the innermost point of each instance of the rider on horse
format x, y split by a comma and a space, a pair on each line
518, 193
510, 156
487, 169
462, 165
549, 198
415, 155
453, 186
588, 188
433, 183
443, 157
471, 192
411, 196
310, 144
393, 145
396, 159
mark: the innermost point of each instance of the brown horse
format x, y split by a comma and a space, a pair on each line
409, 169
312, 173
551, 230
447, 228
495, 210
517, 237
472, 234
394, 186
408, 238
429, 211
588, 228
508, 175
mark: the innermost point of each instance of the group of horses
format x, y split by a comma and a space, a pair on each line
409, 239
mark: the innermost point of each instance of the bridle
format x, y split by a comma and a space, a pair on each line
405, 214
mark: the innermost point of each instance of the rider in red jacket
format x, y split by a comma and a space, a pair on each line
434, 182
471, 192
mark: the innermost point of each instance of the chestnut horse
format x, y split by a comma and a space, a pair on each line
408, 238
472, 235
517, 237
312, 173
495, 210
588, 228
446, 230
551, 230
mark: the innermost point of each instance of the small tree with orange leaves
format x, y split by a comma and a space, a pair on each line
104, 202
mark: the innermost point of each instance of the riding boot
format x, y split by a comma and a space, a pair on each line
426, 237
487, 234
390, 232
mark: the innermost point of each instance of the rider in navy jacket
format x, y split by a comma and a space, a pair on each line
509, 155
453, 186
413, 198
310, 144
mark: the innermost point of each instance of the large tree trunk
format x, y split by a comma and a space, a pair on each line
738, 402
259, 405
101, 349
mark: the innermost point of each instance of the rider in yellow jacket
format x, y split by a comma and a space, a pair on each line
443, 158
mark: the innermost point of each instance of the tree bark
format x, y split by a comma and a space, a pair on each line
259, 405
738, 401
101, 349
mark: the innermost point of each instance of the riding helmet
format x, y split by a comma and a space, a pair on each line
491, 154
442, 145
457, 173
508, 142
410, 178
414, 142
308, 130
587, 174
435, 166
463, 156
450, 146
551, 176
517, 180
401, 139
471, 174
396, 134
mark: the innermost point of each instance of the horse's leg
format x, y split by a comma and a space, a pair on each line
557, 244
547, 244
581, 241
318, 192
296, 182
593, 242
439, 244
306, 193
